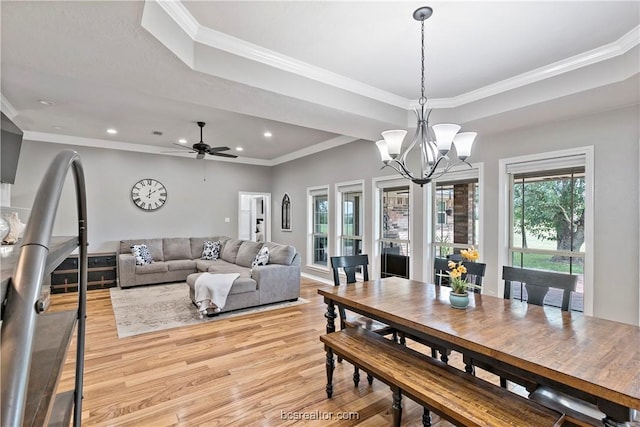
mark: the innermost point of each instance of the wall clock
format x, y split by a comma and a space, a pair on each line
149, 194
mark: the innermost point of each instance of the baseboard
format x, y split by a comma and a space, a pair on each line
317, 278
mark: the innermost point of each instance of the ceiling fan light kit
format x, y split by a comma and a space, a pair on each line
201, 149
433, 143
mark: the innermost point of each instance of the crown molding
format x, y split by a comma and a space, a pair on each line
584, 59
7, 108
322, 146
181, 16
235, 46
108, 144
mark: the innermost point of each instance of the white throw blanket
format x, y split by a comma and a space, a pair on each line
212, 290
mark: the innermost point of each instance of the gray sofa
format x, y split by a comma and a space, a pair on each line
176, 258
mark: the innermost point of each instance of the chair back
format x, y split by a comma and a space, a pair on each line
440, 268
537, 284
475, 271
349, 264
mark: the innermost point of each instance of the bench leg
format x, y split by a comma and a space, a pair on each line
397, 406
370, 379
403, 339
356, 376
330, 366
426, 418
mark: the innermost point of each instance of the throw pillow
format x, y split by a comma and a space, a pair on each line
262, 258
142, 254
211, 250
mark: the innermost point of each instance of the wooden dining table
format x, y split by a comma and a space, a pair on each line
595, 359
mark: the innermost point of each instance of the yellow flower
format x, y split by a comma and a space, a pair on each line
470, 254
462, 269
455, 273
451, 264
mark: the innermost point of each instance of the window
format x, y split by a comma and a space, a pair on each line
351, 219
548, 225
546, 217
456, 223
394, 241
319, 225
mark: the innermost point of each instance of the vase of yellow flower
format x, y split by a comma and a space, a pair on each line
459, 297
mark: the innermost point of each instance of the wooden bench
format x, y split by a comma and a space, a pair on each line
453, 394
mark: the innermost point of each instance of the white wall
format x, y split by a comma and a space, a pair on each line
194, 207
615, 136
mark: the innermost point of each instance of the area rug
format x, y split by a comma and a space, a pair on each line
155, 308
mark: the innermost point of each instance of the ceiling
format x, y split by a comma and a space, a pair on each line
314, 74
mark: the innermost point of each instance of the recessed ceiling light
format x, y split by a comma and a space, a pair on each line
45, 102
182, 141
239, 149
112, 131
268, 134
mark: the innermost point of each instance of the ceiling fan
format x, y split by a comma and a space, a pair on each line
201, 148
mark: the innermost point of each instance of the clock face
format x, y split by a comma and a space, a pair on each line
149, 194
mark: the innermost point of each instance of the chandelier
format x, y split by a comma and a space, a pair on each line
432, 143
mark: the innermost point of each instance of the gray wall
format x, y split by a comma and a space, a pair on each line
615, 137
194, 207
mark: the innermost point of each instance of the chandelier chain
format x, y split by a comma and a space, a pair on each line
431, 145
423, 99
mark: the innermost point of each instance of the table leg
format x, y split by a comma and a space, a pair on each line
330, 315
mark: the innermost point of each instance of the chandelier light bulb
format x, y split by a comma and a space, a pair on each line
384, 151
394, 139
444, 135
463, 142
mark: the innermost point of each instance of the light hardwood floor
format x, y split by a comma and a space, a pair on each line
254, 370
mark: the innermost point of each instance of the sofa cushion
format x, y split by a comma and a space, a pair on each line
181, 264
230, 250
204, 264
156, 267
280, 254
211, 250
141, 254
247, 253
244, 283
176, 248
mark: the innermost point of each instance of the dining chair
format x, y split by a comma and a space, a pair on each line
350, 265
538, 285
475, 272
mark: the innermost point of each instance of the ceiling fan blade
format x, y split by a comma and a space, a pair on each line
233, 156
177, 151
216, 149
183, 147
